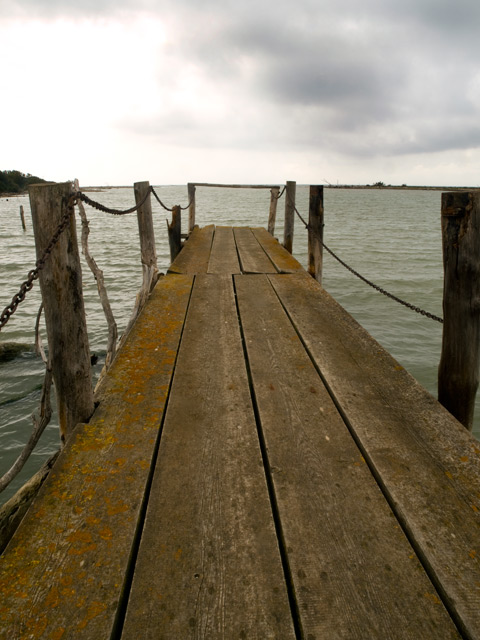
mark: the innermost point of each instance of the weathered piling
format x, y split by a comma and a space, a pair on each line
175, 232
315, 233
459, 362
147, 235
290, 191
22, 217
191, 207
274, 191
61, 286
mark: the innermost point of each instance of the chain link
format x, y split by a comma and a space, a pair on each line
33, 275
78, 195
165, 207
383, 291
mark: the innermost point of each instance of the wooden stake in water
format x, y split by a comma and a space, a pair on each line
315, 233
459, 362
289, 215
191, 209
274, 191
22, 217
175, 232
61, 286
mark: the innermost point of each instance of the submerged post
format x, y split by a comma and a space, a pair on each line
191, 209
315, 233
459, 362
147, 236
274, 191
61, 286
22, 217
290, 191
175, 232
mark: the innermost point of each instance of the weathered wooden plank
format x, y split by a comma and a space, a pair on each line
223, 258
63, 306
284, 262
195, 254
253, 258
208, 564
427, 463
354, 572
63, 573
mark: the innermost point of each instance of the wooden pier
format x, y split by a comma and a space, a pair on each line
258, 467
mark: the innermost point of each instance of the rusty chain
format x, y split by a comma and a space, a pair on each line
32, 275
78, 195
164, 206
410, 306
427, 314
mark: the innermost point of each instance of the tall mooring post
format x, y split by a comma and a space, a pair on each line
61, 286
147, 235
272, 214
459, 362
315, 233
290, 191
191, 208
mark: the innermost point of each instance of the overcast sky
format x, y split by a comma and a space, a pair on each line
171, 91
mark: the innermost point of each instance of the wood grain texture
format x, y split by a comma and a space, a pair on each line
223, 258
64, 310
284, 262
289, 223
253, 258
63, 573
354, 572
208, 565
458, 371
194, 256
427, 463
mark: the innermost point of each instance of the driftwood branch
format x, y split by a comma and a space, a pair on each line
102, 291
39, 422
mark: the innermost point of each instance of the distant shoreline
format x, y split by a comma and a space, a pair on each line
372, 187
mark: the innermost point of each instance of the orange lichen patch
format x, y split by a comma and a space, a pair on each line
83, 542
178, 554
36, 626
432, 597
473, 554
449, 475
95, 609
464, 459
115, 508
474, 508
58, 633
52, 599
106, 533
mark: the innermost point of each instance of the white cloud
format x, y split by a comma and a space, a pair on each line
101, 89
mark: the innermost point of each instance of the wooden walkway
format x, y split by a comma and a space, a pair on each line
258, 467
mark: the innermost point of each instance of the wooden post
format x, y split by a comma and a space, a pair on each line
458, 369
191, 209
61, 286
22, 217
289, 215
274, 191
147, 236
315, 233
175, 233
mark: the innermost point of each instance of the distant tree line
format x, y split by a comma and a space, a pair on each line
16, 181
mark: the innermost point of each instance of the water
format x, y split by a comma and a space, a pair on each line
392, 237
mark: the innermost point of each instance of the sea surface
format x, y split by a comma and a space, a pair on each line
391, 237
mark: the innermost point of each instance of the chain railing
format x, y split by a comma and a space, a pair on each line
384, 292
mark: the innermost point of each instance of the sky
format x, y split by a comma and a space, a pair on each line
173, 91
